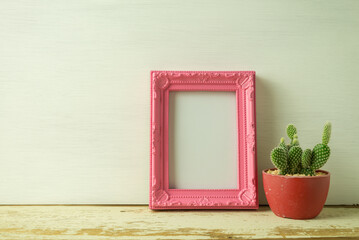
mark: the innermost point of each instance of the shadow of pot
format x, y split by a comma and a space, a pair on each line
297, 197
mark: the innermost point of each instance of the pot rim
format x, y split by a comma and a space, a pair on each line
283, 176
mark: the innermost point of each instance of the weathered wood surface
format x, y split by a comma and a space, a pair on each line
138, 222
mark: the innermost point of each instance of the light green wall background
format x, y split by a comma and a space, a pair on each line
74, 86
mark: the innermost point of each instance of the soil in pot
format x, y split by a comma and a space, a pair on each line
276, 172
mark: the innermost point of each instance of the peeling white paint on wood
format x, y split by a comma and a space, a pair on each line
138, 222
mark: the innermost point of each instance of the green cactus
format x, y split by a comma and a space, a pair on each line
290, 159
308, 172
294, 158
306, 162
326, 133
279, 158
295, 141
321, 151
282, 143
306, 158
291, 131
321, 155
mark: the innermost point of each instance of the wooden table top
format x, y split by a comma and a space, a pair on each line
139, 222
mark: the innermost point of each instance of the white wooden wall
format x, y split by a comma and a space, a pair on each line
74, 86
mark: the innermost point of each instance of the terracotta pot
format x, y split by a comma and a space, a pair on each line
297, 197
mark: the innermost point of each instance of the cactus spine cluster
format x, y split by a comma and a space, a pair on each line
291, 159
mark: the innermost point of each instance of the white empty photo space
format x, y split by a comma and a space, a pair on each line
202, 140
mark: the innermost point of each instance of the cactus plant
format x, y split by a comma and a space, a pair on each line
307, 158
291, 159
291, 131
321, 151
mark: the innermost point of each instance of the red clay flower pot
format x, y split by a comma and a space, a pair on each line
297, 197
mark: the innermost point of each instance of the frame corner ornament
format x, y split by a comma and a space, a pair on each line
160, 80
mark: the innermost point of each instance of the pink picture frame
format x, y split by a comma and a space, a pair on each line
245, 196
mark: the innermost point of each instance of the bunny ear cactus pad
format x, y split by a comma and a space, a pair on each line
306, 158
294, 158
326, 133
282, 143
295, 140
321, 151
291, 131
306, 162
279, 158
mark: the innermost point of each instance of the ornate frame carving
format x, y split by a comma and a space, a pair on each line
246, 195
